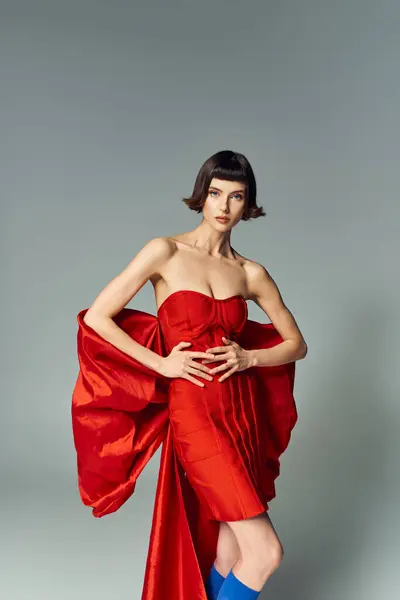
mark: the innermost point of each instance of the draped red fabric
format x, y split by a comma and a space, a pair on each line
120, 417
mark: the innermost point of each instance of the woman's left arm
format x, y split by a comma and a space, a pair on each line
265, 293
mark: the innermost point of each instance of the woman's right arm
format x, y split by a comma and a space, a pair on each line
119, 291
116, 295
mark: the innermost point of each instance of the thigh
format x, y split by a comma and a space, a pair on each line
227, 543
228, 552
255, 534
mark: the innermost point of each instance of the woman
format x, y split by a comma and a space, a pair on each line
212, 385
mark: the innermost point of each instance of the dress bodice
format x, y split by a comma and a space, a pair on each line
188, 315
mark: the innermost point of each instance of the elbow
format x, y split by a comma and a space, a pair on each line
302, 350
87, 317
90, 318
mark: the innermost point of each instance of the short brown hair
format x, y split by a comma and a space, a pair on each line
232, 166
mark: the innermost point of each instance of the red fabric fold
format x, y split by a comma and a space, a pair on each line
120, 418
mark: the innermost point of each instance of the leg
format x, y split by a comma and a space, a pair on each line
260, 555
228, 552
227, 555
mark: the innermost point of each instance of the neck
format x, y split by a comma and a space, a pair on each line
207, 239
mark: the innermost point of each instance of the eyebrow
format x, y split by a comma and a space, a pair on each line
233, 192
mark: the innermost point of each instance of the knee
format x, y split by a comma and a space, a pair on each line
267, 558
275, 555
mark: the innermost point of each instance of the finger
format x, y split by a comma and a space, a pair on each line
220, 357
228, 341
222, 367
199, 366
182, 343
217, 349
194, 354
206, 362
230, 363
193, 380
226, 375
202, 374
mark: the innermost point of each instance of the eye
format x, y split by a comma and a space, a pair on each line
213, 192
239, 196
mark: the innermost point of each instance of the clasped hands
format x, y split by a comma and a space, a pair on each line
183, 363
236, 357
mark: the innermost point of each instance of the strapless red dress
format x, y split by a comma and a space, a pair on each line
221, 444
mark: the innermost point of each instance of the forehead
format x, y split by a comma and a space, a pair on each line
227, 186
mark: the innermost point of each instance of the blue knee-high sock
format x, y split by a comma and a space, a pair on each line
213, 583
233, 589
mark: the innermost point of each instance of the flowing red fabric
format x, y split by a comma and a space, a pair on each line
120, 417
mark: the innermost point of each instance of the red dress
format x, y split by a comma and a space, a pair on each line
221, 443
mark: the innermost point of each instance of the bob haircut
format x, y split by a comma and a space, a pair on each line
232, 166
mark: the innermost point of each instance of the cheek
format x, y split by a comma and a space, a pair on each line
239, 212
208, 207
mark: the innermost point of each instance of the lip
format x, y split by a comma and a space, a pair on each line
222, 219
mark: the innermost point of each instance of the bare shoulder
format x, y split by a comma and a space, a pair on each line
255, 271
152, 257
259, 280
252, 268
159, 247
145, 265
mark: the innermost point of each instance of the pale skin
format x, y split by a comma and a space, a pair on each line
203, 260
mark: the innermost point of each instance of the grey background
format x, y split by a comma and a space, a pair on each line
108, 110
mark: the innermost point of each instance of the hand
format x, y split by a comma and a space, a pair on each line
236, 357
181, 363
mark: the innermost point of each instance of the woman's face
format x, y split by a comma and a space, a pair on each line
224, 199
